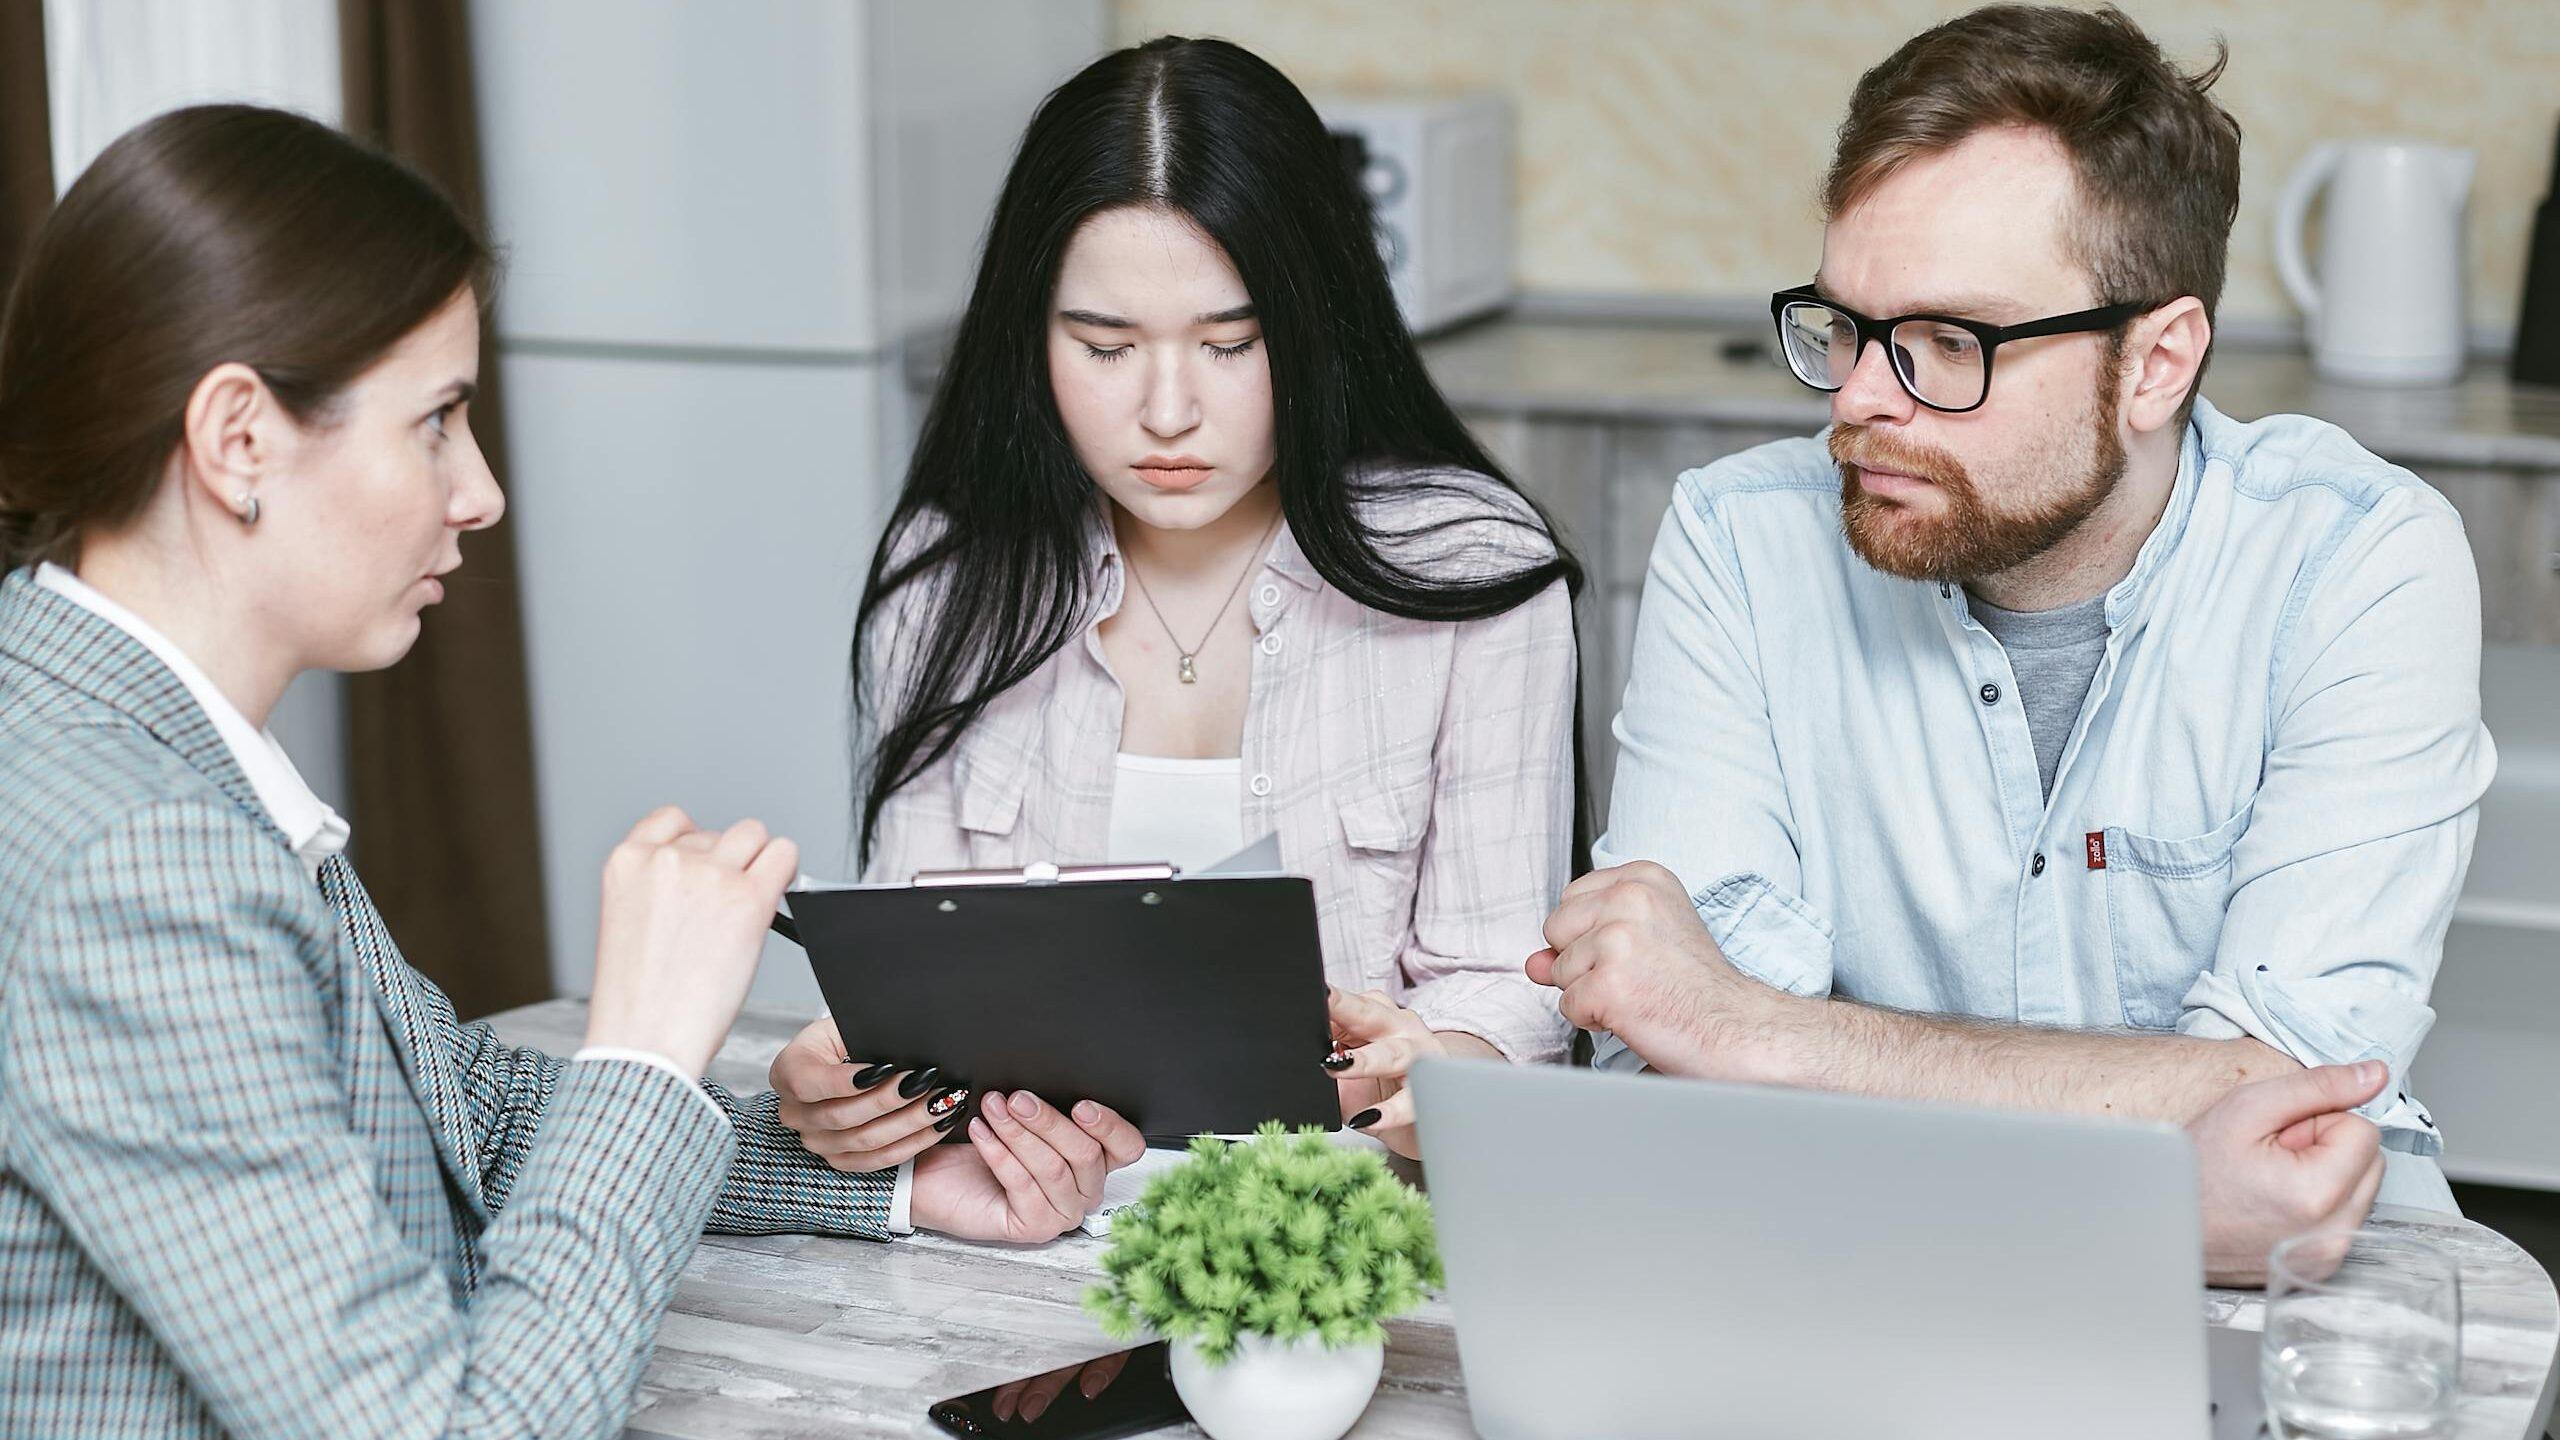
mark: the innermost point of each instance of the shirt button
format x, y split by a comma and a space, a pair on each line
2038, 867
1260, 786
1990, 694
1271, 643
1268, 595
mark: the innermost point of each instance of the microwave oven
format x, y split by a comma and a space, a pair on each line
1438, 175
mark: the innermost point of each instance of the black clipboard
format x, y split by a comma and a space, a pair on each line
1188, 1005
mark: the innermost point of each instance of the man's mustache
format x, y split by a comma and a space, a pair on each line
1857, 446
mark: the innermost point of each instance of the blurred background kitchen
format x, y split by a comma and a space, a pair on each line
737, 235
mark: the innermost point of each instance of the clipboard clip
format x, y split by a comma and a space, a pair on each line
1038, 872
1043, 872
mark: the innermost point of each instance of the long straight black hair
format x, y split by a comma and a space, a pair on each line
996, 508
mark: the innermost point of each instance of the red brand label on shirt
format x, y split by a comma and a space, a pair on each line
2097, 849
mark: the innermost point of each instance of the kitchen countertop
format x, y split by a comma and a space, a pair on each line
805, 1336
1679, 372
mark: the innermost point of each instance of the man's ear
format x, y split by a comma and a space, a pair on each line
231, 434
2167, 349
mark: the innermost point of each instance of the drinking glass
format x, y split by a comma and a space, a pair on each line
2363, 1338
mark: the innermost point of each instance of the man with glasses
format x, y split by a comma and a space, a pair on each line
2037, 735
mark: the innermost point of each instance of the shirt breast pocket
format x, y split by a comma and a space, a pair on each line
2165, 901
1382, 828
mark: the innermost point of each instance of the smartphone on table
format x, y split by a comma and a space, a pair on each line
1129, 1392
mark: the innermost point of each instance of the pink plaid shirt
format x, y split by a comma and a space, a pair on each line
1419, 772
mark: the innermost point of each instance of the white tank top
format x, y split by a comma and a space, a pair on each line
1186, 812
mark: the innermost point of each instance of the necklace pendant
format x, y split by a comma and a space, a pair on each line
1189, 675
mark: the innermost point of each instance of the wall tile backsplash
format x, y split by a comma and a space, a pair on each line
1673, 146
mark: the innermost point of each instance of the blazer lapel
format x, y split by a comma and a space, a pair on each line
412, 1026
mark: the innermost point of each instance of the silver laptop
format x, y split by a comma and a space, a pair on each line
1634, 1255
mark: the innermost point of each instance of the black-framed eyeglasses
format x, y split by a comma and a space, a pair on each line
1943, 361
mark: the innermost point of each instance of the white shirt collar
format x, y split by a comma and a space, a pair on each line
315, 831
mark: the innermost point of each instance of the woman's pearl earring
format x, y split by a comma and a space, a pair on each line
248, 504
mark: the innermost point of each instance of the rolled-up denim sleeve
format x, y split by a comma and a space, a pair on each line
2345, 880
2326, 1020
1698, 788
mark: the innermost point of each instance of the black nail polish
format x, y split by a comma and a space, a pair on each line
870, 1075
1338, 1060
918, 1082
947, 1101
943, 1125
1365, 1119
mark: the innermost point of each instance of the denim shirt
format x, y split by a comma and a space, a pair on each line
2261, 819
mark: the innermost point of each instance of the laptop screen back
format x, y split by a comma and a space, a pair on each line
1639, 1255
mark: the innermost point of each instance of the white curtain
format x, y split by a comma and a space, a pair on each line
112, 64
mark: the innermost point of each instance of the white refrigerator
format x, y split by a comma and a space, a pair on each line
725, 227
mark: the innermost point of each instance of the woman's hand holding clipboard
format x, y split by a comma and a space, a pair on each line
1188, 1004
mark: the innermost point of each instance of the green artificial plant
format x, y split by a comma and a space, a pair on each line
1283, 1235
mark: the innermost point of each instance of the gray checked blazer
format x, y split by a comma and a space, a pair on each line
255, 1178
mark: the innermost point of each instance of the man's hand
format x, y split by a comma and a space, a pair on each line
1632, 957
1030, 1174
2281, 1157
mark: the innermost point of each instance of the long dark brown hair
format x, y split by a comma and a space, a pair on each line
214, 234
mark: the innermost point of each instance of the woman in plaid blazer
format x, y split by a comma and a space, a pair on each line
255, 1178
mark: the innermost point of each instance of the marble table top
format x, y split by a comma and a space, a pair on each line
794, 1335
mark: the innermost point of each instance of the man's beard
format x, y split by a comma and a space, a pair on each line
1971, 539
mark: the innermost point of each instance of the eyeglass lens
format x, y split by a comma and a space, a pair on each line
1940, 364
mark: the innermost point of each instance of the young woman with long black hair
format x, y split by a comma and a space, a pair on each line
1191, 552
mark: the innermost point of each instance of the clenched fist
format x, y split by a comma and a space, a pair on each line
1628, 950
685, 911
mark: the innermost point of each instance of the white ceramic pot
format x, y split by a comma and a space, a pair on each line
1278, 1390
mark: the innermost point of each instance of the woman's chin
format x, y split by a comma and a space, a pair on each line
1194, 509
386, 646
1191, 511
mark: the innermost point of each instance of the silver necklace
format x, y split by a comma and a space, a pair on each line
1186, 669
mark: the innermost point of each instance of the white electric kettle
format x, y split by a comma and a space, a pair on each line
2387, 308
